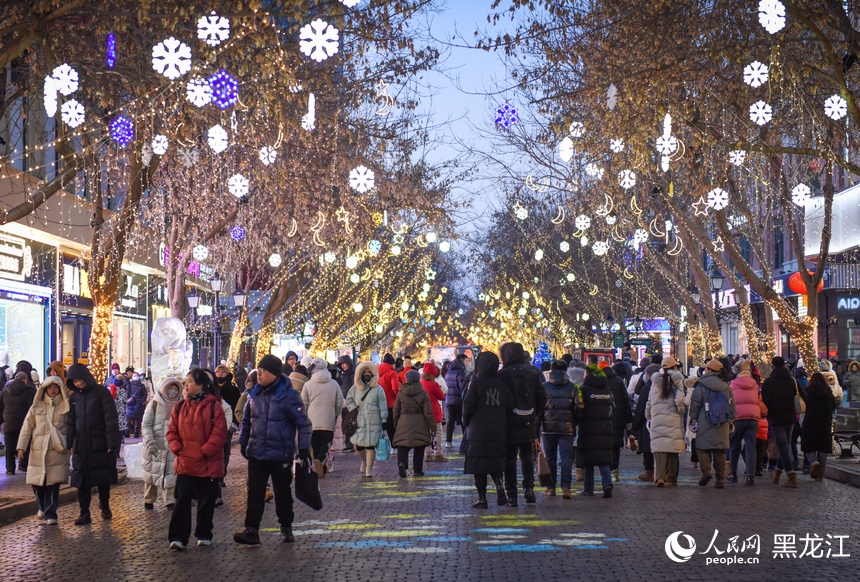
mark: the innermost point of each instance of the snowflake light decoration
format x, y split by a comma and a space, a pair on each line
110, 50
600, 248
268, 155
238, 185
627, 179
640, 236
570, 277
198, 92
565, 149
171, 58
122, 130
351, 262
583, 241
72, 113
564, 246
159, 144
521, 212
217, 138
50, 94
275, 260
225, 89
577, 129
237, 233
146, 154
506, 115
755, 74
582, 222
65, 79
593, 170
800, 194
373, 247
354, 278
309, 119
200, 253
835, 107
444, 246
666, 145
318, 40
616, 145
395, 250
718, 198
610, 220
539, 254
213, 29
361, 179
737, 157
329, 257
188, 157
771, 15
760, 112
349, 3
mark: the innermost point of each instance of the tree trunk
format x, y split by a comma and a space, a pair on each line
237, 338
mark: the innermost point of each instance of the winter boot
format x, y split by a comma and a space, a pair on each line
363, 456
249, 537
84, 518
481, 503
401, 470
529, 495
287, 536
440, 458
428, 456
792, 481
371, 457
775, 476
565, 494
607, 491
501, 496
647, 476
512, 499
815, 470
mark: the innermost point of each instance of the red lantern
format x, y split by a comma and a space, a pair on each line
796, 284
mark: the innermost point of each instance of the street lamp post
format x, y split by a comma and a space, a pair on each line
216, 285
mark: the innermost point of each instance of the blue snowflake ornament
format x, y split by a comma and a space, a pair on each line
225, 89
507, 116
237, 233
122, 130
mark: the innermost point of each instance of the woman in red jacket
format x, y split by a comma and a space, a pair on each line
428, 381
196, 435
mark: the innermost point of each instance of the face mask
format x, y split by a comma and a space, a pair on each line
135, 378
366, 379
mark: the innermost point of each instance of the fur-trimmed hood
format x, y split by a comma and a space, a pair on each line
359, 370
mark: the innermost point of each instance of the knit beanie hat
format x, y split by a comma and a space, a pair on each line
271, 364
413, 376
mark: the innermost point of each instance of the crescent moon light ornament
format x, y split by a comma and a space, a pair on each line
676, 250
634, 206
560, 216
317, 240
384, 101
320, 223
616, 235
608, 206
420, 241
594, 291
293, 229
533, 186
655, 230
577, 234
627, 273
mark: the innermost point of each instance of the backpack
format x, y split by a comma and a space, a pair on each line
717, 407
524, 400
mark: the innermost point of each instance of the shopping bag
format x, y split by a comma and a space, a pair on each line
383, 448
307, 485
544, 475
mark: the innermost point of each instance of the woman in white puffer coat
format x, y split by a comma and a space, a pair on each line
157, 458
665, 410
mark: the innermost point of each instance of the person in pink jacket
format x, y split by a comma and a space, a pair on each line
749, 409
428, 382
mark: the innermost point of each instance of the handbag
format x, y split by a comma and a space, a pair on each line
307, 485
544, 474
350, 421
799, 404
383, 448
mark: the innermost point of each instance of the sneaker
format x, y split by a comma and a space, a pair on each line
751, 481
177, 546
616, 475
10, 472
732, 478
248, 537
107, 513
148, 506
401, 469
529, 495
549, 492
219, 502
269, 495
587, 493
50, 521
565, 494
318, 467
512, 501
347, 450
40, 514
286, 535
449, 445
204, 542
418, 474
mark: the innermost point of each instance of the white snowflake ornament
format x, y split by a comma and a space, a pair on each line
318, 40
616, 145
146, 154
594, 170
361, 179
627, 179
565, 149
521, 212
65, 79
159, 144
49, 92
213, 29
737, 157
760, 112
800, 194
171, 58
200, 253
539, 254
198, 92
349, 3
666, 144
771, 15
72, 113
577, 129
835, 107
718, 198
640, 236
309, 119
755, 74
275, 260
218, 138
600, 248
188, 157
238, 185
268, 155
564, 246
582, 222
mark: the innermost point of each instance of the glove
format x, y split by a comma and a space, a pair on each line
304, 454
244, 451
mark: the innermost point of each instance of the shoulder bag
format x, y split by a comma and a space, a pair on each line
350, 421
799, 404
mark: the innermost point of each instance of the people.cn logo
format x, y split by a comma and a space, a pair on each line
676, 551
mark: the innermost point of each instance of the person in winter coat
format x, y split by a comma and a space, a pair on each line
368, 397
576, 371
119, 391
58, 369
291, 360
94, 439
407, 365
851, 381
689, 434
389, 381
414, 424
157, 458
487, 406
594, 446
526, 384
749, 409
558, 426
299, 377
455, 378
15, 400
816, 434
437, 396
665, 410
274, 418
44, 432
196, 434
640, 423
135, 406
227, 389
778, 392
347, 379
323, 402
622, 417
712, 440
6, 374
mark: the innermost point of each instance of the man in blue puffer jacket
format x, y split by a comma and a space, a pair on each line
456, 381
272, 415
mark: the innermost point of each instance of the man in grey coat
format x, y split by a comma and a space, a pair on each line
712, 440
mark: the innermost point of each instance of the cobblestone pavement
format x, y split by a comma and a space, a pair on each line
425, 529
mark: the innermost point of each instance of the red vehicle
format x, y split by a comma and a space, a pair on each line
603, 354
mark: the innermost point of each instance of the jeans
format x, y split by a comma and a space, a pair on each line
555, 446
455, 415
187, 488
605, 477
821, 457
417, 458
259, 472
745, 431
782, 436
320, 443
48, 497
526, 453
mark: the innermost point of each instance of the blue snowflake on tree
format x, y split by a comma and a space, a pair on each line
122, 130
225, 89
507, 116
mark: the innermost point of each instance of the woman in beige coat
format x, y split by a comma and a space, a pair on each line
157, 459
44, 431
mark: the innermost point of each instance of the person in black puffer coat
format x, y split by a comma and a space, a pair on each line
15, 401
778, 394
640, 426
559, 427
455, 379
347, 379
816, 436
594, 447
487, 406
526, 384
622, 417
94, 439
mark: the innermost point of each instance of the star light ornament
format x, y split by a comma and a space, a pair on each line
217, 138
718, 198
835, 107
627, 179
582, 222
275, 260
238, 185
800, 194
771, 15
65, 79
171, 58
565, 149
159, 144
737, 157
318, 40
361, 179
213, 29
268, 155
755, 74
72, 113
198, 92
200, 253
760, 112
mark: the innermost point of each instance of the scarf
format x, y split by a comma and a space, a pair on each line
197, 397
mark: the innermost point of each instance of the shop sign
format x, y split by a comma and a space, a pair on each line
846, 303
16, 258
642, 342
